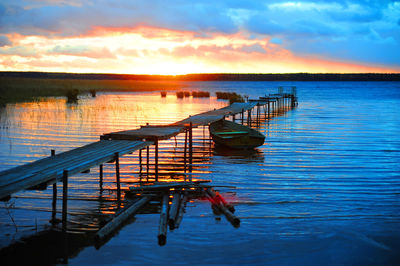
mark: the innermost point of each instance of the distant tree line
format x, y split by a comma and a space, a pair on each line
213, 77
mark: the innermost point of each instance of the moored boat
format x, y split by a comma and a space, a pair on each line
236, 136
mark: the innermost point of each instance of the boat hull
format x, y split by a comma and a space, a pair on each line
236, 136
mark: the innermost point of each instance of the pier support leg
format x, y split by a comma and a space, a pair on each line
185, 151
156, 158
65, 201
54, 202
147, 162
210, 142
242, 114
140, 165
117, 175
190, 149
249, 118
101, 177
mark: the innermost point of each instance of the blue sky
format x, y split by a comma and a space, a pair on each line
291, 35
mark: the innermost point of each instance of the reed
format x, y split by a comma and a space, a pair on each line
92, 92
200, 94
17, 89
72, 96
231, 96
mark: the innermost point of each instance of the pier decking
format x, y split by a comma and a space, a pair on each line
51, 169
215, 115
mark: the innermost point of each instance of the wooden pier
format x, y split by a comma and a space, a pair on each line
58, 167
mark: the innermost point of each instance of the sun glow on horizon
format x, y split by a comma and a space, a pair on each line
147, 50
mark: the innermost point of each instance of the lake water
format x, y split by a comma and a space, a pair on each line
323, 189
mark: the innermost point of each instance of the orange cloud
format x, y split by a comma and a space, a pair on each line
149, 50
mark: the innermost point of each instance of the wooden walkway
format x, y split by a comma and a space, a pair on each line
51, 169
112, 145
215, 115
41, 173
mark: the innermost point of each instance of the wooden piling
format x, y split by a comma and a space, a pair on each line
117, 221
117, 175
54, 201
156, 158
185, 151
140, 163
181, 211
65, 201
190, 149
218, 198
174, 210
162, 229
101, 176
147, 162
222, 209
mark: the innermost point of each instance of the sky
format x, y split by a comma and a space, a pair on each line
204, 36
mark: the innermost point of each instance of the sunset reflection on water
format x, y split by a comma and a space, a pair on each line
30, 130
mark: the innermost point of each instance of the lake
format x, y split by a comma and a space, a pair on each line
323, 189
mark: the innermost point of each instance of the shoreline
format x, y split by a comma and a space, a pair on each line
210, 76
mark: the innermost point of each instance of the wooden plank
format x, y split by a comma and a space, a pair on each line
147, 132
19, 172
118, 220
63, 162
173, 212
166, 185
162, 229
75, 161
215, 115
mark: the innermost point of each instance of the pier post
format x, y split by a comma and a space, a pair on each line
117, 175
147, 162
185, 151
54, 202
249, 118
101, 177
265, 111
190, 148
242, 113
140, 164
156, 158
64, 201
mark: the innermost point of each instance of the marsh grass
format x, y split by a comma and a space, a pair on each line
231, 96
14, 90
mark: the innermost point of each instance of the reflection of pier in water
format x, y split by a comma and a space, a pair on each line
163, 154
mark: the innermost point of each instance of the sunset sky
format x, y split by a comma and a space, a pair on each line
181, 36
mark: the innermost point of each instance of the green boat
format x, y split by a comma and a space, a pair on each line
236, 136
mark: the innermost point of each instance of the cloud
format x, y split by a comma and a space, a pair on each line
364, 31
82, 51
4, 41
19, 51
